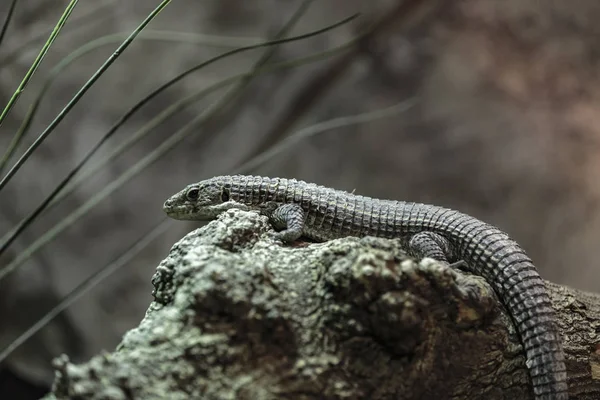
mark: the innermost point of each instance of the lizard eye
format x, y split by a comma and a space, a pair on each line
192, 194
225, 196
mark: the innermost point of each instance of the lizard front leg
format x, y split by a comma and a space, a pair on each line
289, 219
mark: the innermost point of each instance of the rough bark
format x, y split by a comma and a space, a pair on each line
239, 316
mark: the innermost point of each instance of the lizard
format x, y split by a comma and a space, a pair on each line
296, 208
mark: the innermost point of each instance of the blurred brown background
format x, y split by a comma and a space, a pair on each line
505, 126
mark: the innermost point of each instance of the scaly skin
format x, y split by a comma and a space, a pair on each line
321, 213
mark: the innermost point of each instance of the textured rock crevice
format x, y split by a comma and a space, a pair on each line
239, 316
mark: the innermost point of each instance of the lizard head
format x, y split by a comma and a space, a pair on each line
204, 200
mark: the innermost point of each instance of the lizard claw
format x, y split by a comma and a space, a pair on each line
274, 235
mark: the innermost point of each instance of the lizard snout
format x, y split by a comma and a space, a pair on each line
168, 204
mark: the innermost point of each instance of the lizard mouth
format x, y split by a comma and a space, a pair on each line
177, 211
174, 212
186, 212
198, 212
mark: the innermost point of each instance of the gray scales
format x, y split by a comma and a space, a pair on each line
297, 208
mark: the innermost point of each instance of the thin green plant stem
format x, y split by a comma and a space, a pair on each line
191, 38
149, 159
38, 60
13, 234
89, 283
9, 15
81, 92
315, 129
77, 21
